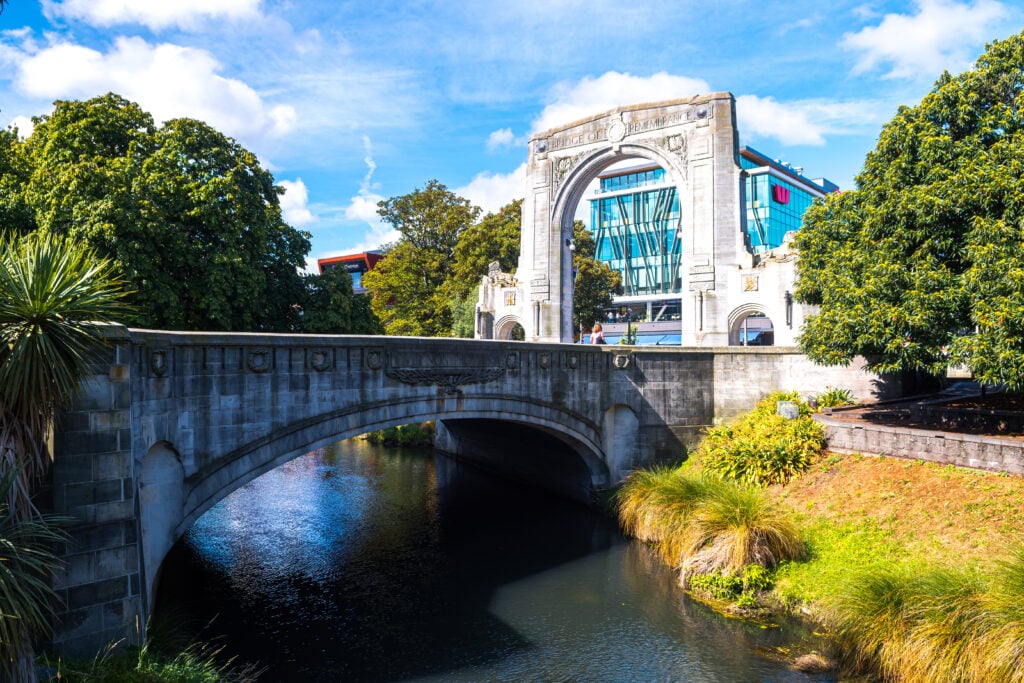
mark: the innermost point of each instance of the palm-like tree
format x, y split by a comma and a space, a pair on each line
54, 293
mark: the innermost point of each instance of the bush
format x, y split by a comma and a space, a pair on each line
761, 447
407, 436
834, 397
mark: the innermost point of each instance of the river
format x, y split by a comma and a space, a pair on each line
361, 563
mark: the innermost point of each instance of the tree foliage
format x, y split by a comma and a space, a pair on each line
330, 306
595, 282
922, 264
408, 290
189, 215
54, 293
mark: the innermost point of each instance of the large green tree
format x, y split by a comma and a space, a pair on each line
407, 285
190, 216
922, 265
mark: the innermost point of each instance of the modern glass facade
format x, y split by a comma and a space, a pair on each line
776, 198
635, 220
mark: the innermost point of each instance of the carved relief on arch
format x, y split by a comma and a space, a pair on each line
561, 167
678, 146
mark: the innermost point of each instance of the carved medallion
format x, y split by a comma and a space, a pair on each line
544, 361
258, 360
562, 167
573, 361
319, 359
616, 131
512, 360
158, 362
374, 359
621, 361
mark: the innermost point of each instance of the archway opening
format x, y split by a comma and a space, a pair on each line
631, 210
753, 329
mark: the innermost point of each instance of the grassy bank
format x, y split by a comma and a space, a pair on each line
916, 570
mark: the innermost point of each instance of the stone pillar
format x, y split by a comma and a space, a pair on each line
93, 475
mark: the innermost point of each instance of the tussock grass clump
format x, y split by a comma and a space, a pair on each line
703, 524
939, 625
654, 506
735, 526
762, 447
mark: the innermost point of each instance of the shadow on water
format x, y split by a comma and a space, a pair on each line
363, 564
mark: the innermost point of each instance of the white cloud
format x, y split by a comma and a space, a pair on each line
294, 203
167, 80
491, 191
363, 207
590, 96
942, 35
804, 122
156, 14
23, 124
503, 138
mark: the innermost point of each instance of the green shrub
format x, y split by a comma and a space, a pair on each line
407, 436
834, 397
762, 447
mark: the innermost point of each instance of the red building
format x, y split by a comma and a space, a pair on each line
355, 264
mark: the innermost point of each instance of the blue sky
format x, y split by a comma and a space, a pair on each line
348, 102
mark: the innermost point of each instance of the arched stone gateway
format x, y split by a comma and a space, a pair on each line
695, 142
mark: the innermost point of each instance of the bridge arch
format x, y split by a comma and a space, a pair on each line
171, 503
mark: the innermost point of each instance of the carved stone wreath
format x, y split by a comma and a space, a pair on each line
258, 360
449, 379
374, 359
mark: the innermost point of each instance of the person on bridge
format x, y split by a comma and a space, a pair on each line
597, 335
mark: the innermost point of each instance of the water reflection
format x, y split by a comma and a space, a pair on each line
360, 564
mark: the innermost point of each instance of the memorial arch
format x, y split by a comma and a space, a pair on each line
695, 141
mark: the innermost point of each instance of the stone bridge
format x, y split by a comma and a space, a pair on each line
172, 422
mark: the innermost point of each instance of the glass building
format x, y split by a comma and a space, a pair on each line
776, 197
635, 220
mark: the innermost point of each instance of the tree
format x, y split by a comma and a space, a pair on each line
53, 292
189, 215
331, 307
15, 214
407, 284
921, 265
595, 282
495, 238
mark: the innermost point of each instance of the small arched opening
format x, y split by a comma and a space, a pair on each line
509, 329
752, 328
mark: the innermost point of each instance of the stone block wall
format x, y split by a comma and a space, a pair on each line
991, 453
94, 485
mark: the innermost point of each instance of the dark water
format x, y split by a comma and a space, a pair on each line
360, 563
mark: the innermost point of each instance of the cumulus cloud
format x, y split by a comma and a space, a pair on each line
294, 203
942, 35
491, 191
803, 122
589, 96
503, 138
155, 14
167, 80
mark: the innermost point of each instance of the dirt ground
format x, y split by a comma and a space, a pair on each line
946, 512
